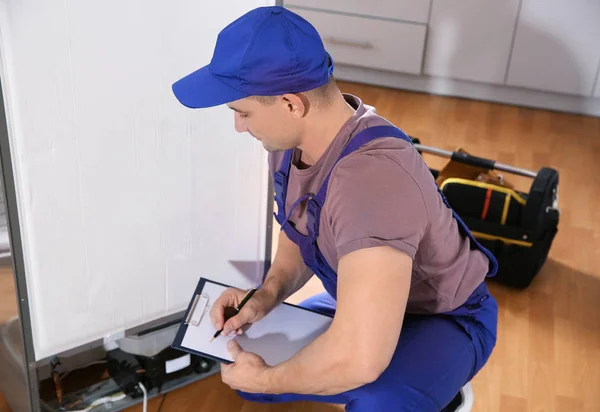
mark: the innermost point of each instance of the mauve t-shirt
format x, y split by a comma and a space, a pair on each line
384, 194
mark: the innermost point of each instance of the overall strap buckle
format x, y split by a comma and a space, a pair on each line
279, 187
313, 218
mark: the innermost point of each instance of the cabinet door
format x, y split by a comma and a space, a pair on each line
597, 91
470, 39
556, 46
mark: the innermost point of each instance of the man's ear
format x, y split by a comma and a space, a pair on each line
296, 104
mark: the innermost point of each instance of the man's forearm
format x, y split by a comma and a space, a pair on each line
327, 366
281, 282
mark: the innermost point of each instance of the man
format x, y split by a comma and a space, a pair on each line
413, 320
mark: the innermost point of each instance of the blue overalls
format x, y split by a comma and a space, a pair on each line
434, 357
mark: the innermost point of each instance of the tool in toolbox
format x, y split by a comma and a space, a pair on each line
517, 227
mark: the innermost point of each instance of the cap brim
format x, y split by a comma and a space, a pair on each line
202, 89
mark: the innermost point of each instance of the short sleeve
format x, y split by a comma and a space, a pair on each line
372, 201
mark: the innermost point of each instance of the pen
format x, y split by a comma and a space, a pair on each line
239, 307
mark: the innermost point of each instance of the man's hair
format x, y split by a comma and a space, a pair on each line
320, 96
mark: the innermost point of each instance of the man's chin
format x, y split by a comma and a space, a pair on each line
271, 149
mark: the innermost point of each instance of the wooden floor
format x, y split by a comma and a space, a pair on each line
548, 353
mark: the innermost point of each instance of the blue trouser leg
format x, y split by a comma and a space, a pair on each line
434, 358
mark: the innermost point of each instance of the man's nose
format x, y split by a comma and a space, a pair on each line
240, 124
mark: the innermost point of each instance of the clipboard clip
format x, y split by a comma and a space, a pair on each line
197, 310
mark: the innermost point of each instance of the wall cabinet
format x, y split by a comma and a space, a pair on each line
534, 53
366, 42
407, 10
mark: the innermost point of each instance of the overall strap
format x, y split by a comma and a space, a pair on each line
280, 183
361, 139
370, 134
316, 202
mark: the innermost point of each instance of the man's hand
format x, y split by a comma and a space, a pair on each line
255, 309
248, 373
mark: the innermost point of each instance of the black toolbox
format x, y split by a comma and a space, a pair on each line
517, 227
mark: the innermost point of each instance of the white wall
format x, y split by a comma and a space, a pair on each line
125, 197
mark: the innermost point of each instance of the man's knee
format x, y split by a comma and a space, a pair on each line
256, 397
423, 376
322, 303
397, 399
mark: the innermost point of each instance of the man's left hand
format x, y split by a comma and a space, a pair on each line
247, 373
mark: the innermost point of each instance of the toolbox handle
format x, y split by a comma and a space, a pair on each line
475, 161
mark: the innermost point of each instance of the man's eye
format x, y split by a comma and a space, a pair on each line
243, 115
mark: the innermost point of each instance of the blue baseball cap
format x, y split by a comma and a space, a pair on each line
266, 52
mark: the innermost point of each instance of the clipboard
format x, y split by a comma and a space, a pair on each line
276, 337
